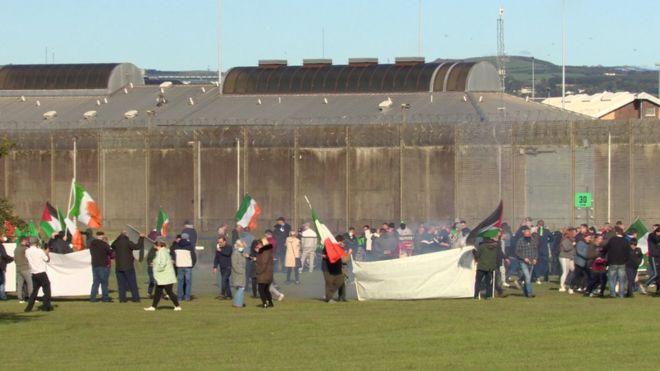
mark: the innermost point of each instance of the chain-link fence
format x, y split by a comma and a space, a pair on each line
364, 170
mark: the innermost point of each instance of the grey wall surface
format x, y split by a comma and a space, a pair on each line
352, 175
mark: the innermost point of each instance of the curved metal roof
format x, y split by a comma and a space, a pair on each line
370, 78
56, 76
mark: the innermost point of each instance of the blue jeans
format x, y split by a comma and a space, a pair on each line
541, 269
527, 270
225, 289
184, 283
126, 280
3, 294
101, 276
617, 273
513, 268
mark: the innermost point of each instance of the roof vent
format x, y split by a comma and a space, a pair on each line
50, 115
317, 63
362, 62
408, 61
89, 115
272, 63
130, 114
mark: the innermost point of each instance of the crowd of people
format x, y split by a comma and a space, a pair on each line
585, 259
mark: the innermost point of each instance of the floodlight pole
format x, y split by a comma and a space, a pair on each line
238, 173
219, 47
563, 52
658, 65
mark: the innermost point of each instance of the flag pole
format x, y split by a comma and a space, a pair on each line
308, 203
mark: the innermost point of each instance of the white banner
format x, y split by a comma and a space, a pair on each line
69, 274
446, 274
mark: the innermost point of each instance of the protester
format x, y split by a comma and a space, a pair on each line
101, 253
164, 275
222, 263
264, 265
580, 262
635, 260
191, 232
251, 269
292, 257
59, 244
38, 260
406, 240
123, 249
239, 258
23, 274
332, 274
527, 254
185, 258
544, 238
351, 242
281, 231
486, 256
308, 243
654, 259
4, 260
566, 256
617, 251
151, 283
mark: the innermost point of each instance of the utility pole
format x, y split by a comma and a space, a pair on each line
501, 54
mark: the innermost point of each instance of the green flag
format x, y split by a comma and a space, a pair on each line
639, 227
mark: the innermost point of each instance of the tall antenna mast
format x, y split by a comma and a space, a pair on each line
501, 54
219, 46
420, 49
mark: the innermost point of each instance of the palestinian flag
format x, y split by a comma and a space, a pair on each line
84, 208
162, 223
247, 213
489, 227
50, 220
333, 250
76, 236
639, 226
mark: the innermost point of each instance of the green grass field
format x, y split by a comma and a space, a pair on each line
552, 331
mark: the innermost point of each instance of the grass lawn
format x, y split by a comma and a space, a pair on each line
552, 331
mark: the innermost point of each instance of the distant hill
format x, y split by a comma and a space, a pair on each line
579, 79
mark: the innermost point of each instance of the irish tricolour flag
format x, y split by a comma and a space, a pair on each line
84, 207
163, 223
247, 213
489, 227
333, 250
51, 220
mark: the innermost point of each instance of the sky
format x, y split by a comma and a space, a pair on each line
183, 35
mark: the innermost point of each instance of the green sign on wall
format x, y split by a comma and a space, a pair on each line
583, 200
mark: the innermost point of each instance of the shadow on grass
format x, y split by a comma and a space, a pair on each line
6, 318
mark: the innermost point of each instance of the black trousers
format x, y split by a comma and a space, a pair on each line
486, 276
264, 293
39, 281
580, 277
631, 273
159, 294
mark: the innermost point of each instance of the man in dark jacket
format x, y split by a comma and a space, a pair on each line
222, 261
636, 258
332, 274
281, 231
486, 256
185, 258
617, 251
527, 254
544, 239
190, 230
59, 244
124, 268
100, 252
654, 258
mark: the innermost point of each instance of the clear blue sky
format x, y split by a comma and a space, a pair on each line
169, 34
